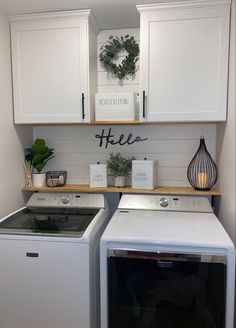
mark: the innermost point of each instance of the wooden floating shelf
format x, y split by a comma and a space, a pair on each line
159, 190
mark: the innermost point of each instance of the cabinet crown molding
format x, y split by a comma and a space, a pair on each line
183, 5
58, 15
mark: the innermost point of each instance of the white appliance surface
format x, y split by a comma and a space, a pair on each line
58, 200
52, 280
169, 224
167, 228
165, 203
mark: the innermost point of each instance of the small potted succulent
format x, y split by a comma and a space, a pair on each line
38, 155
119, 167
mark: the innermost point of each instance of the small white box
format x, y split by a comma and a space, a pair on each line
144, 174
98, 175
114, 106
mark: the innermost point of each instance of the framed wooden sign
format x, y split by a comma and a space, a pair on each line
114, 106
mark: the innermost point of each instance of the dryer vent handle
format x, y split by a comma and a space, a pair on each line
162, 257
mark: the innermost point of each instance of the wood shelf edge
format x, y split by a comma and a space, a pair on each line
159, 190
115, 122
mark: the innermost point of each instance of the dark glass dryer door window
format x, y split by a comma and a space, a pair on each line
156, 290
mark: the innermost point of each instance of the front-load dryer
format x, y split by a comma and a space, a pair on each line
166, 262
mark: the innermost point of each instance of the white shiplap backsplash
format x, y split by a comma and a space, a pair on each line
173, 145
106, 83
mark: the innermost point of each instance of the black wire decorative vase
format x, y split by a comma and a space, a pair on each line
202, 172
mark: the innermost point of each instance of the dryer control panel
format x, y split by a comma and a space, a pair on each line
165, 203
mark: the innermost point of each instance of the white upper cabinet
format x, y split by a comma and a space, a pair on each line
184, 61
54, 67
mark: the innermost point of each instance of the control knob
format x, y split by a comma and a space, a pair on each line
65, 200
164, 202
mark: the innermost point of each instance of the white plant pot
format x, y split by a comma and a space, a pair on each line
39, 179
120, 181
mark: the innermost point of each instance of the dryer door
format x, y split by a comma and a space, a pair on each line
165, 290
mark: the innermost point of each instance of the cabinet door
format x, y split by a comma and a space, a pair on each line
184, 63
50, 71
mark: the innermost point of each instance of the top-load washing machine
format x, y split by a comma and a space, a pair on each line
49, 262
166, 262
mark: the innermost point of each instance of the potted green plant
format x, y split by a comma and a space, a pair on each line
119, 167
38, 155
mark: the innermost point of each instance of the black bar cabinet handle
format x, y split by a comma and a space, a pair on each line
83, 114
143, 104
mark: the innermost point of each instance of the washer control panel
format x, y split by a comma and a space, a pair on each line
66, 200
165, 203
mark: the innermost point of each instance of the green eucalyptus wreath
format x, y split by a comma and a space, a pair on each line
110, 51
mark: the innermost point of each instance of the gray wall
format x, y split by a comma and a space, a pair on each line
12, 139
226, 148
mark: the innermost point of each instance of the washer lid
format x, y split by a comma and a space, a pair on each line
64, 222
167, 228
